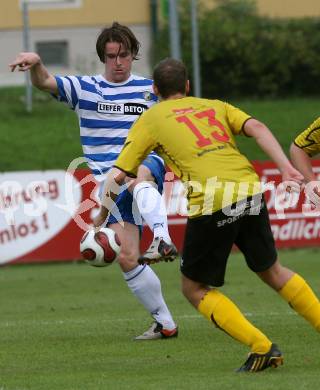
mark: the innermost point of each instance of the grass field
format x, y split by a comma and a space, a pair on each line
49, 137
70, 327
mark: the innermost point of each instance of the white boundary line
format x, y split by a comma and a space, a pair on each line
8, 324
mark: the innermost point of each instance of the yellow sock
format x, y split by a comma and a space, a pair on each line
302, 299
219, 309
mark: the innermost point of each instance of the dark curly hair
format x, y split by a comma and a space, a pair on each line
120, 34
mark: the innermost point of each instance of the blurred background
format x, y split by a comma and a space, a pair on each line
246, 47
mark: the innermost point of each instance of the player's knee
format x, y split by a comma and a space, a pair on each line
127, 259
144, 174
188, 295
140, 183
193, 293
185, 291
276, 276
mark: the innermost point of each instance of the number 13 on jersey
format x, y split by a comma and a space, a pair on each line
210, 116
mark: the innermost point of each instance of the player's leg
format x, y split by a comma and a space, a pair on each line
147, 195
141, 279
295, 290
150, 203
205, 254
143, 282
225, 315
261, 257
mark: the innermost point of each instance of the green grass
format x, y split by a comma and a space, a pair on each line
48, 138
70, 327
286, 118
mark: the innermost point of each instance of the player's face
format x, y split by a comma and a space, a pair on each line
118, 62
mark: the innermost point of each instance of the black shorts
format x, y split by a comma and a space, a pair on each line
209, 239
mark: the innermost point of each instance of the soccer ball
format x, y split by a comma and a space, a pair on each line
100, 248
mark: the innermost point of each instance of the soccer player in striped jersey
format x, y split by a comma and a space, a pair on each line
107, 105
196, 138
305, 146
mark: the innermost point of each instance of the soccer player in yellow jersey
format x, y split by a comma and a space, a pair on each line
196, 138
305, 146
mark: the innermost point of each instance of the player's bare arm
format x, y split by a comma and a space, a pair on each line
268, 143
302, 162
40, 76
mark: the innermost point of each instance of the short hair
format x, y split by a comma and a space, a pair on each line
170, 77
120, 34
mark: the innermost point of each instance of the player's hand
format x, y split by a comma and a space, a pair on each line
99, 220
25, 61
293, 179
312, 191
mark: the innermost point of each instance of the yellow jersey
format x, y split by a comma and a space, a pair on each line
195, 137
309, 139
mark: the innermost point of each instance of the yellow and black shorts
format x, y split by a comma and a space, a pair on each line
209, 240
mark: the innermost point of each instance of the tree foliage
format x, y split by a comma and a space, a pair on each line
246, 54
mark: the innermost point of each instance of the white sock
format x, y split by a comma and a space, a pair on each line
153, 209
146, 286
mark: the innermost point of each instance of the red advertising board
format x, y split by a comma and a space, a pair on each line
43, 215
292, 225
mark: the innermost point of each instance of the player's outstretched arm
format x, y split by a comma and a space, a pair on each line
268, 143
302, 162
40, 76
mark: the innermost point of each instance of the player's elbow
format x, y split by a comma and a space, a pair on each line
254, 128
46, 83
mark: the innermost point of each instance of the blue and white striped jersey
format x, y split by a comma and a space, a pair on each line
106, 112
